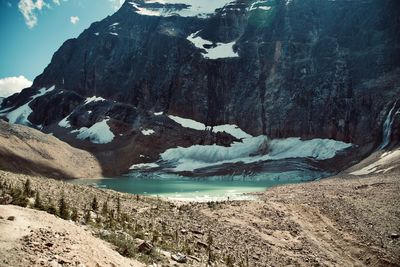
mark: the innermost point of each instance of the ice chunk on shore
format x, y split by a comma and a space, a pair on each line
142, 166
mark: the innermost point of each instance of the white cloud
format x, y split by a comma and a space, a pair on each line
116, 3
12, 85
28, 9
57, 2
74, 19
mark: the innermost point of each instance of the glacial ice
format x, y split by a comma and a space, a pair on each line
251, 150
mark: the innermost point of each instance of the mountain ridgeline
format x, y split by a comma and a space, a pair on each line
281, 68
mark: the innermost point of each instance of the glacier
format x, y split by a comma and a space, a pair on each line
250, 150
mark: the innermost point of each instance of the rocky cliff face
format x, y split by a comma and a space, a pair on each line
306, 68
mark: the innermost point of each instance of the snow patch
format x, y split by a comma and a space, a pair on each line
98, 133
148, 132
263, 5
183, 8
93, 99
21, 114
158, 113
65, 123
188, 123
231, 129
220, 50
386, 159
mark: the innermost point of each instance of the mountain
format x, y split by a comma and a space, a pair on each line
309, 69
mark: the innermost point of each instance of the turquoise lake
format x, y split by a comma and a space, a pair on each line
213, 188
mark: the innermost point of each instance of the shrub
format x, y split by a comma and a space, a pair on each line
51, 208
19, 198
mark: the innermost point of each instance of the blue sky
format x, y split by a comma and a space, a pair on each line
29, 42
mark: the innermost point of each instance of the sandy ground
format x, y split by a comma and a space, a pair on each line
36, 238
26, 150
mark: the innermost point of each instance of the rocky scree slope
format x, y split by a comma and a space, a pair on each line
26, 150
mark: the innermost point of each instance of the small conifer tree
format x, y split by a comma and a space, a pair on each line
88, 218
118, 206
27, 188
74, 215
95, 204
38, 202
104, 209
63, 208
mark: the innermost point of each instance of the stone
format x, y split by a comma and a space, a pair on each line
202, 244
197, 232
394, 235
179, 257
184, 231
145, 248
6, 199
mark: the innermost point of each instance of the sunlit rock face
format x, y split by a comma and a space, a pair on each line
280, 68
